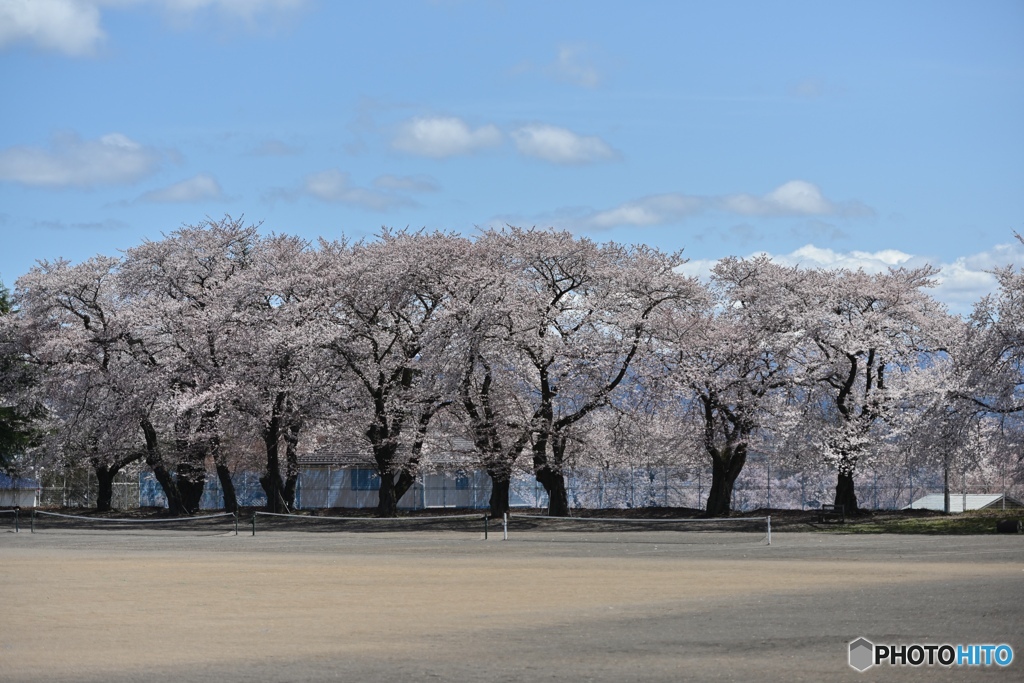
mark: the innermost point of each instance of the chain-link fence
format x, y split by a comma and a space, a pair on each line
759, 486
80, 488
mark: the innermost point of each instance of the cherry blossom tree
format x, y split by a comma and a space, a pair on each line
992, 368
578, 317
74, 328
181, 282
734, 363
277, 375
497, 415
865, 333
384, 307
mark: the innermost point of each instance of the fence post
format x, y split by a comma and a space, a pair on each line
664, 474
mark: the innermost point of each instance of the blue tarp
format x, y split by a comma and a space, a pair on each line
8, 482
247, 490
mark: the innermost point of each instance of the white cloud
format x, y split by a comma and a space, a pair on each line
654, 210
797, 197
958, 284
968, 278
72, 162
559, 145
74, 27
68, 26
794, 198
333, 185
573, 65
810, 256
200, 188
444, 136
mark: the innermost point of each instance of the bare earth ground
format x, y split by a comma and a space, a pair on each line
292, 606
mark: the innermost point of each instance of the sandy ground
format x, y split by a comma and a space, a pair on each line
292, 606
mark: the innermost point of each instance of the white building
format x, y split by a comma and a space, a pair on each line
958, 502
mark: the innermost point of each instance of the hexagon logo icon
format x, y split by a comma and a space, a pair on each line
862, 654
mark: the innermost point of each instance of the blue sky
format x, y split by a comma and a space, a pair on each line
859, 134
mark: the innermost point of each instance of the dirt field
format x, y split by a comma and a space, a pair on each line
292, 606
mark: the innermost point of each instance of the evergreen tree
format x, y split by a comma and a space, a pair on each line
16, 419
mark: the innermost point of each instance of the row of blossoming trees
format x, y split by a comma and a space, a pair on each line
537, 347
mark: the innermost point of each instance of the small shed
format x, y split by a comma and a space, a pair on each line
958, 502
18, 491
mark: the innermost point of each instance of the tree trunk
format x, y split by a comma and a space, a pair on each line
405, 481
394, 485
155, 461
945, 488
845, 494
387, 498
726, 466
291, 453
500, 492
105, 495
227, 487
271, 483
170, 488
210, 446
271, 478
191, 469
191, 482
558, 495
549, 474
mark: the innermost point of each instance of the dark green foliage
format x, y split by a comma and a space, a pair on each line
16, 419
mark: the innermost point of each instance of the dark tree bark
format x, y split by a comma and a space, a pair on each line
385, 449
271, 478
856, 418
210, 440
558, 496
394, 485
549, 473
845, 493
106, 472
105, 479
227, 487
271, 482
726, 431
498, 462
397, 478
945, 486
190, 472
387, 496
291, 440
500, 493
154, 459
191, 478
726, 465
